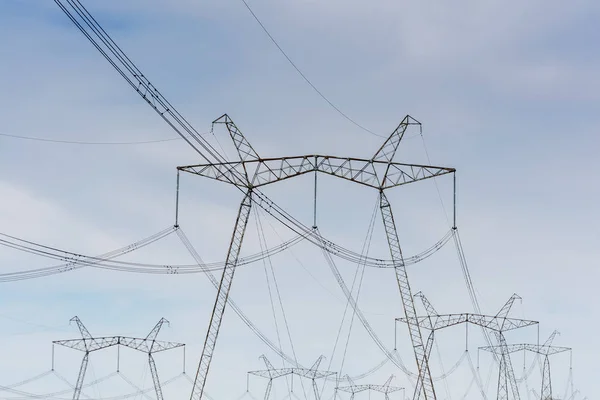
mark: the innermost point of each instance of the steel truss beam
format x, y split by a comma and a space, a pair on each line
491, 322
262, 172
251, 171
311, 373
88, 344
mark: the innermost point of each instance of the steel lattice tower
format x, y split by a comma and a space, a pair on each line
545, 350
88, 344
311, 373
498, 324
251, 172
353, 388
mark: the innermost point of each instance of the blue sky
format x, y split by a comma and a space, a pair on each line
507, 94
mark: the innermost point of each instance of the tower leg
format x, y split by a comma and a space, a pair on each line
546, 383
502, 380
155, 380
419, 386
81, 376
315, 389
407, 298
507, 374
268, 391
222, 295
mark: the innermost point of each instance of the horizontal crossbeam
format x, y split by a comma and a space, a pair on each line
534, 348
303, 372
494, 323
93, 344
376, 388
261, 172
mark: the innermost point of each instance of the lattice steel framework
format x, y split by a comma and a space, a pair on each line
311, 373
88, 344
353, 388
546, 350
251, 172
498, 324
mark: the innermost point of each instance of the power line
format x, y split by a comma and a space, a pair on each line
304, 76
38, 139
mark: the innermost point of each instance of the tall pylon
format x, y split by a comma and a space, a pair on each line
251, 172
88, 344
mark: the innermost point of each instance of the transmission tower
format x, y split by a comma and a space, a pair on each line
545, 350
251, 172
498, 324
353, 388
311, 373
88, 344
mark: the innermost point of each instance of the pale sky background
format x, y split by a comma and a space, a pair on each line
507, 93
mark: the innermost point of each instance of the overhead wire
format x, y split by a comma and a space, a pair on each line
156, 100
90, 28
107, 261
80, 142
396, 359
365, 250
285, 320
480, 386
437, 348
460, 251
265, 339
23, 395
339, 111
259, 232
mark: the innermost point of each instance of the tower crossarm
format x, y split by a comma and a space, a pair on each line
491, 322
375, 388
89, 344
534, 348
373, 173
302, 372
272, 374
147, 345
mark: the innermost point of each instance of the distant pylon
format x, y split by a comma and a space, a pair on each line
353, 388
498, 324
545, 350
311, 373
88, 344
